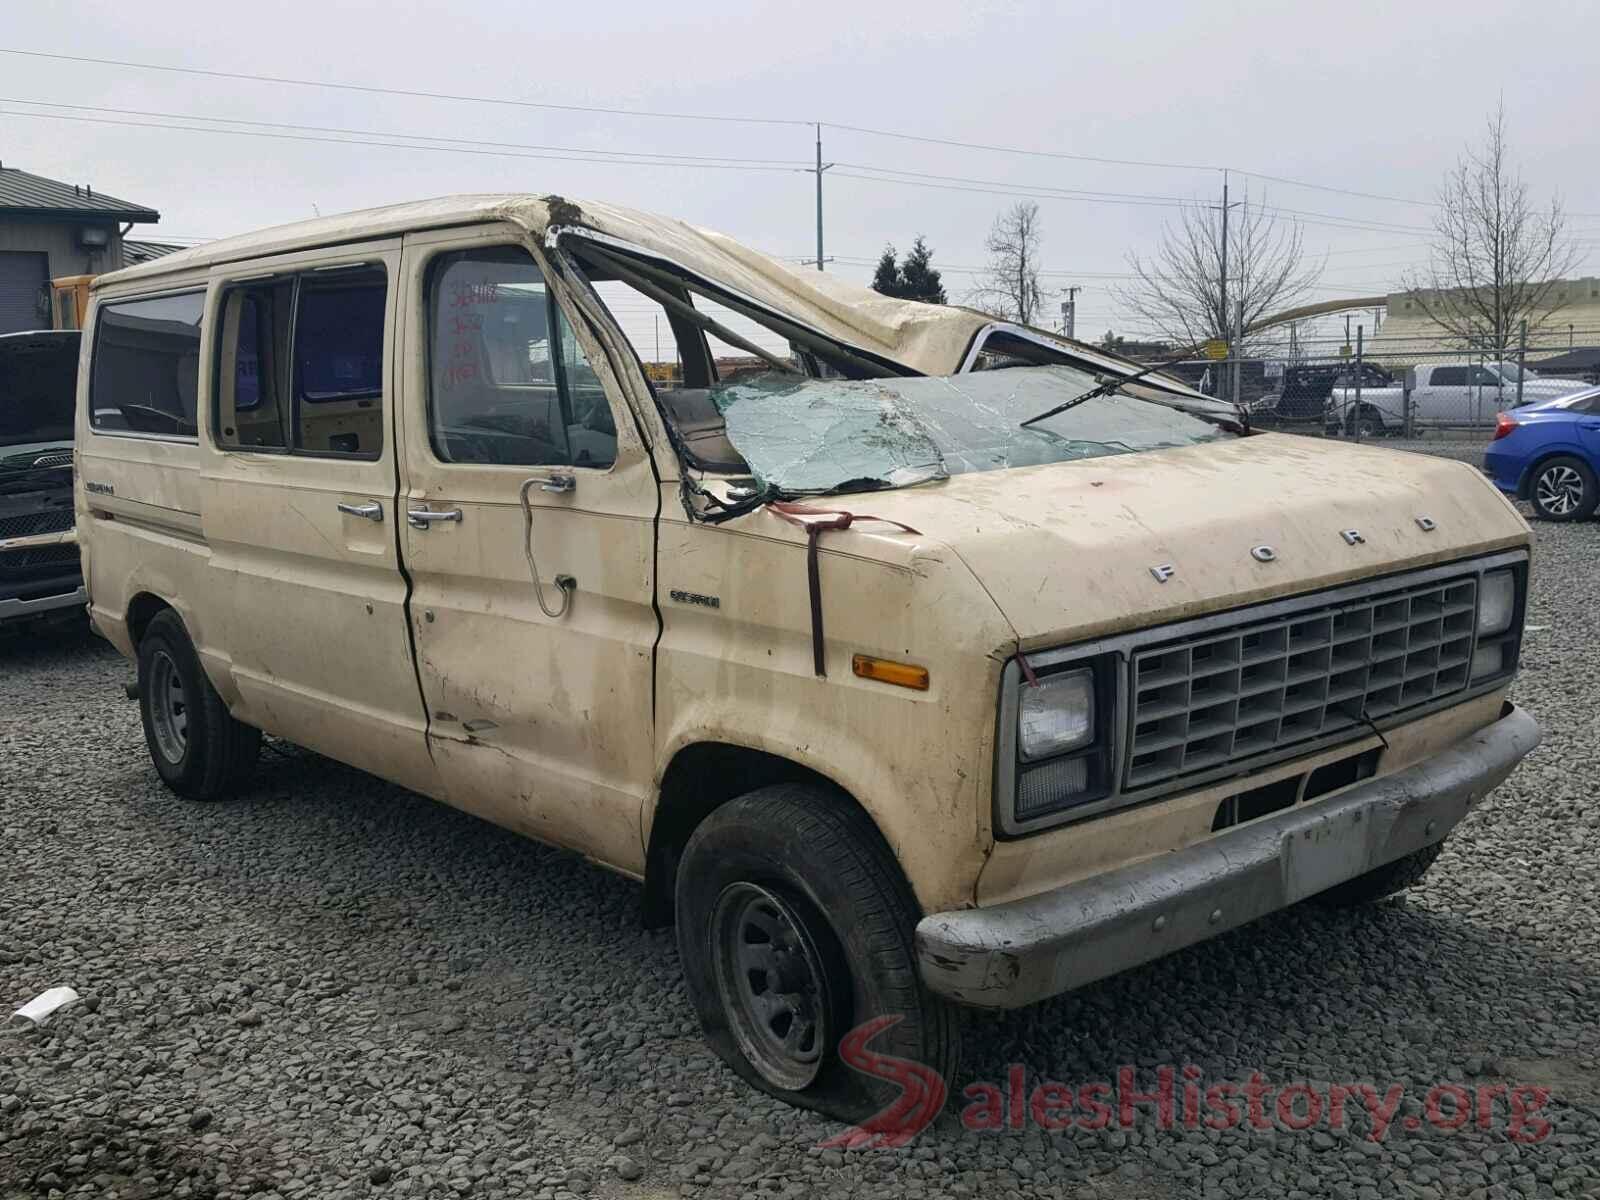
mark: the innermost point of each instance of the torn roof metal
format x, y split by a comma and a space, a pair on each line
931, 339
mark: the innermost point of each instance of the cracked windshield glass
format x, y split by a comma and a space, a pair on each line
824, 435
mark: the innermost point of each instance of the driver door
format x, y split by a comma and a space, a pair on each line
538, 695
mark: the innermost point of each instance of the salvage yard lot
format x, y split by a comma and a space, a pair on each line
331, 987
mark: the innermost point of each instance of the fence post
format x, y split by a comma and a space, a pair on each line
1522, 358
1360, 332
1408, 380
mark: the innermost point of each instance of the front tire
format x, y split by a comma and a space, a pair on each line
197, 747
794, 927
1563, 489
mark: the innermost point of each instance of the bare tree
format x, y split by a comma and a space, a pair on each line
1496, 257
1178, 290
1009, 288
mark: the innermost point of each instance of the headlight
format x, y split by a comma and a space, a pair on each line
1497, 602
1056, 716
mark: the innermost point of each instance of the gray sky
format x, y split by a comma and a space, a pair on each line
1372, 97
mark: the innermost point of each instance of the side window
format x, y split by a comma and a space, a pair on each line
1449, 377
146, 365
508, 382
1483, 377
300, 364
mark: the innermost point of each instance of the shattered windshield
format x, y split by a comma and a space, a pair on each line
831, 435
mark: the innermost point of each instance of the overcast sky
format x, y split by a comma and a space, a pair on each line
1372, 97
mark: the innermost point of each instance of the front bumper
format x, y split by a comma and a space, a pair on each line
12, 608
1026, 950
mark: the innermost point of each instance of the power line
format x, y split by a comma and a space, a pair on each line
387, 91
722, 118
428, 137
337, 141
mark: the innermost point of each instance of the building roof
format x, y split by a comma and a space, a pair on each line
134, 253
24, 194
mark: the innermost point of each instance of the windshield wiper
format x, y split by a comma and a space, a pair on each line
1107, 387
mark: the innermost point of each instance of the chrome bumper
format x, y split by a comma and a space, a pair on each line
31, 608
1026, 950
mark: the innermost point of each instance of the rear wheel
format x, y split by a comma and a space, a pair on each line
1367, 424
1563, 489
197, 747
794, 928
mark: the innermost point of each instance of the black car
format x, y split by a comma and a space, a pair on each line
39, 569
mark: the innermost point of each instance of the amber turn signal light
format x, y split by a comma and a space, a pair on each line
885, 671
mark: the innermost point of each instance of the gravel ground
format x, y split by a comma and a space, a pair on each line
331, 988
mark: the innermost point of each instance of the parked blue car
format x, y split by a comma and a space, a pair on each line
1549, 455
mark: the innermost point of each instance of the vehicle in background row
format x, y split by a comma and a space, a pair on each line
39, 571
1549, 455
929, 660
1443, 395
1303, 394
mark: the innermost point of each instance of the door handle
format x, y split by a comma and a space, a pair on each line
422, 518
559, 483
372, 510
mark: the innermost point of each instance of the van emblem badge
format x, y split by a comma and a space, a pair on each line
683, 597
99, 489
1352, 537
1163, 572
1263, 553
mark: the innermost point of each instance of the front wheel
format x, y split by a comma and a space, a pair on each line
1563, 489
795, 928
197, 747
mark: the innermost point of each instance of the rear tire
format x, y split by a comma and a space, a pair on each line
793, 916
197, 747
1563, 489
1381, 881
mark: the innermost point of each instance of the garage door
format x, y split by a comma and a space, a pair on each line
22, 275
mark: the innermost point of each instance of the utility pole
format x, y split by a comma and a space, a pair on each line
820, 169
1224, 279
1069, 312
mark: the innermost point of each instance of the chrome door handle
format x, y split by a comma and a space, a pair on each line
422, 518
372, 510
560, 483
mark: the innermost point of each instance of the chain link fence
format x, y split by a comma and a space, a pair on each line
1394, 388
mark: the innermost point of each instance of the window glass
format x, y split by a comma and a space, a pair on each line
1449, 377
509, 382
332, 402
146, 367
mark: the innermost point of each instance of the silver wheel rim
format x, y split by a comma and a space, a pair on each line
169, 708
1560, 490
771, 983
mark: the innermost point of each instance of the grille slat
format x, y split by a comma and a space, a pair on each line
1221, 698
51, 520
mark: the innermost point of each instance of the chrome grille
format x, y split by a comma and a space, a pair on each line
1223, 697
53, 520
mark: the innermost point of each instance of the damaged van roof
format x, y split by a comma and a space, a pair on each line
930, 339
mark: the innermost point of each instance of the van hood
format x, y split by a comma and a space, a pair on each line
1073, 550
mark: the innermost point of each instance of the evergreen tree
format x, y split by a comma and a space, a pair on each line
918, 278
887, 278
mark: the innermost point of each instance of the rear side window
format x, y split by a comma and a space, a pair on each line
1449, 377
145, 370
299, 364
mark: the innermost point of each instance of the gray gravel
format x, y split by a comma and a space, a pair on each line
333, 988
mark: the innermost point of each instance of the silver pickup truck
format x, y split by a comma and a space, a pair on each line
1443, 394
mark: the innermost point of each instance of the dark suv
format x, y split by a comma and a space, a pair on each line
39, 570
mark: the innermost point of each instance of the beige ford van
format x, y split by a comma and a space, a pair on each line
907, 658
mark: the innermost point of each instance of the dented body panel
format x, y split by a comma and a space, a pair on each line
378, 606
